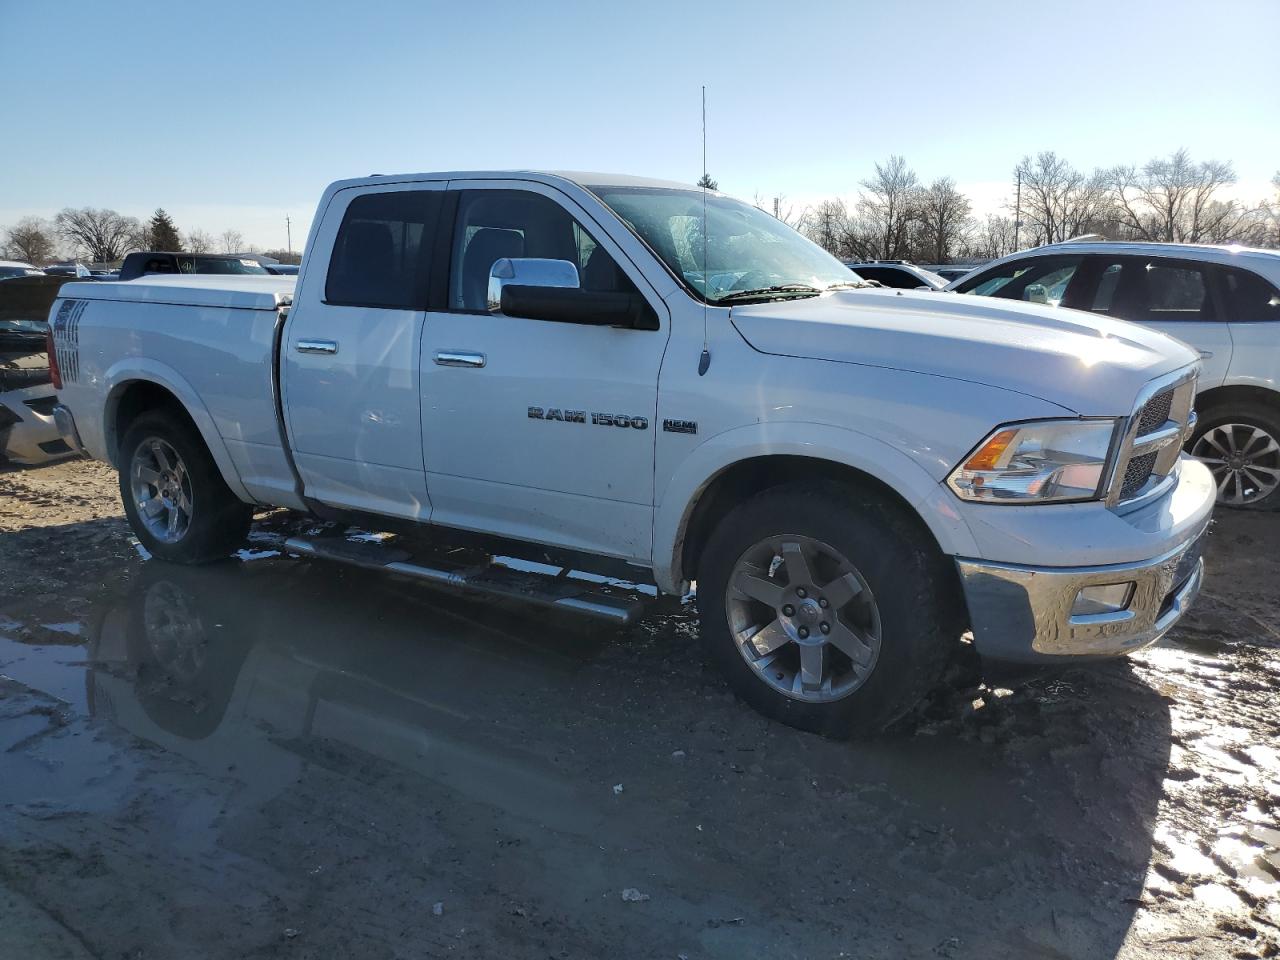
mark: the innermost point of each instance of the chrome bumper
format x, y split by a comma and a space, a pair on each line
66, 424
1024, 614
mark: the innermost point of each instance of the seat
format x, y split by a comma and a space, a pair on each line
369, 272
602, 274
488, 245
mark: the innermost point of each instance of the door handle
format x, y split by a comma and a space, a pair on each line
455, 358
316, 346
1206, 354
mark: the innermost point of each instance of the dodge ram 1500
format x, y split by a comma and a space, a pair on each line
637, 377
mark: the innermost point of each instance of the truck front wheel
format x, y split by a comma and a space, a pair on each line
827, 608
176, 500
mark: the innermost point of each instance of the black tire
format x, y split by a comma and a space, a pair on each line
219, 520
1257, 415
914, 586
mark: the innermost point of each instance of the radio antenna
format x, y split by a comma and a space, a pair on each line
704, 361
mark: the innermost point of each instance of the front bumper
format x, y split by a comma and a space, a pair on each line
1023, 614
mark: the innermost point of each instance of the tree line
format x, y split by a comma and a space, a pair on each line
1171, 199
99, 235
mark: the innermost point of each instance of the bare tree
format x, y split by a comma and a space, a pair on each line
31, 239
1058, 201
944, 219
888, 206
828, 224
199, 241
782, 209
993, 238
102, 235
1173, 199
232, 241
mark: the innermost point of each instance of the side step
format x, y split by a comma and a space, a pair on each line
600, 602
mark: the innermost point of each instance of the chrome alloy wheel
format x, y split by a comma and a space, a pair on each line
161, 489
803, 618
1244, 460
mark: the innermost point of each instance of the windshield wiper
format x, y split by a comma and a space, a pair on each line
847, 285
776, 292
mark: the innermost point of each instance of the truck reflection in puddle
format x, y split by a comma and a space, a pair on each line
242, 667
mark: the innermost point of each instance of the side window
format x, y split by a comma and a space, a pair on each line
494, 224
1249, 297
382, 252
1038, 280
1152, 291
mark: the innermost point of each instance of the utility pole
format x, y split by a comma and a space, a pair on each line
288, 232
1017, 213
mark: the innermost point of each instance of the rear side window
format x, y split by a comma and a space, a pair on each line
382, 251
1249, 297
889, 276
1152, 291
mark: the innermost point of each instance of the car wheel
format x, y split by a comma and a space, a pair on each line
828, 609
1241, 447
174, 496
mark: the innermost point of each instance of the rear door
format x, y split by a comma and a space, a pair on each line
532, 429
1173, 296
351, 384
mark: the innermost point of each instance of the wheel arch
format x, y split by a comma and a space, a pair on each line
134, 391
736, 471
1237, 393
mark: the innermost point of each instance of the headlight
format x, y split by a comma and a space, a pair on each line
1042, 462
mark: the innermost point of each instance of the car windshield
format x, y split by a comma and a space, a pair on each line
9, 271
743, 252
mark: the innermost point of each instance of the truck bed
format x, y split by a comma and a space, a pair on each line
196, 290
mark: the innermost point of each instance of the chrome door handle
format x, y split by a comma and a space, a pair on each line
316, 346
454, 358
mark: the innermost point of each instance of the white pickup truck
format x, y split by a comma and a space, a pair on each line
632, 377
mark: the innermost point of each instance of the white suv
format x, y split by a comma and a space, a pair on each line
1224, 301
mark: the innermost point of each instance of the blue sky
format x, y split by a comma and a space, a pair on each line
232, 114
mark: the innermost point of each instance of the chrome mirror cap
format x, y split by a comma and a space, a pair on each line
528, 272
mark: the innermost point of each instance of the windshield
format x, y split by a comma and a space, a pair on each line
219, 265
8, 271
745, 249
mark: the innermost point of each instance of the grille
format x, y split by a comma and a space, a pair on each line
1155, 413
1136, 474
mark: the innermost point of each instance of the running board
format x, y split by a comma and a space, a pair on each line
495, 580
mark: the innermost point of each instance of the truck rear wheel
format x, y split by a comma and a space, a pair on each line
827, 608
176, 500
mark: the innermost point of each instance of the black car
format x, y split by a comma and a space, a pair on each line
152, 262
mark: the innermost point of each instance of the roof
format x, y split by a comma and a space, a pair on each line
1203, 251
234, 290
17, 263
580, 177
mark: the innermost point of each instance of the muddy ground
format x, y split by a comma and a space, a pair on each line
279, 758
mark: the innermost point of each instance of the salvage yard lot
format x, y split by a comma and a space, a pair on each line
271, 757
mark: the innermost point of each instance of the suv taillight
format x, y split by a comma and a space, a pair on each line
54, 373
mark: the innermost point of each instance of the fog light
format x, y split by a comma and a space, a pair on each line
1103, 598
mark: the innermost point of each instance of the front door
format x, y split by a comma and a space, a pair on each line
351, 385
532, 429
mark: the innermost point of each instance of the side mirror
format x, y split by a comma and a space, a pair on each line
528, 272
548, 290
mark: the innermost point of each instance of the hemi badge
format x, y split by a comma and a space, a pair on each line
680, 426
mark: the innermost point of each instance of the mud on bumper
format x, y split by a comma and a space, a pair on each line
1033, 615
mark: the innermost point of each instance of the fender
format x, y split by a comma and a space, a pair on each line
131, 369
931, 500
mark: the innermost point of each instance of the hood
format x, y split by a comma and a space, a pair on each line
1091, 365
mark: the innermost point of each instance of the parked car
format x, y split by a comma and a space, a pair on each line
543, 366
154, 262
1223, 301
28, 433
70, 269
898, 274
950, 272
16, 268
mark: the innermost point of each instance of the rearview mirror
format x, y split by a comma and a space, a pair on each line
528, 272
